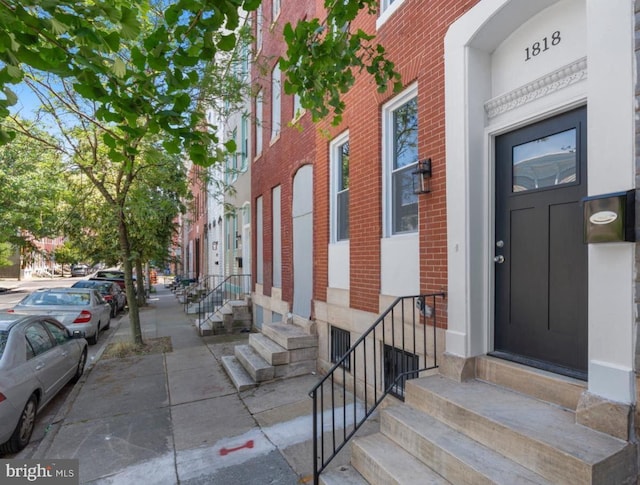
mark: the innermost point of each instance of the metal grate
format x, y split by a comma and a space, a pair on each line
399, 366
340, 343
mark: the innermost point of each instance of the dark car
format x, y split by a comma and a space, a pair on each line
109, 290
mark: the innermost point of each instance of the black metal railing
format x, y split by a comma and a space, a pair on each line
233, 287
398, 346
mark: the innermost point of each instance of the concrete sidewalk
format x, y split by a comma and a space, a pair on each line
176, 418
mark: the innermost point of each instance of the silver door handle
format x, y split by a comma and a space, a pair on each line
499, 259
39, 366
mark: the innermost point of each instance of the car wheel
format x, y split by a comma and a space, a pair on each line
94, 340
82, 361
22, 434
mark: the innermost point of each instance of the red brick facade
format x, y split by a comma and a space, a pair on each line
418, 54
280, 158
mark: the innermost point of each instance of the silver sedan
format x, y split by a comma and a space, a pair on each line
78, 309
38, 356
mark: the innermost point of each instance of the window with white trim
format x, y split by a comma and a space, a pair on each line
387, 8
259, 107
339, 152
400, 156
259, 23
276, 9
275, 102
244, 143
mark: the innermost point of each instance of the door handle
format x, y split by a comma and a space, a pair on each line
499, 259
40, 366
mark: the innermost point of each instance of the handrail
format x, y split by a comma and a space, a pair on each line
230, 288
402, 357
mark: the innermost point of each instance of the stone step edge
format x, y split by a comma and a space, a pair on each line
450, 453
380, 461
238, 375
542, 437
259, 369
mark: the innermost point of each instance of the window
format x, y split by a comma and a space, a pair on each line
276, 9
398, 363
259, 107
244, 143
259, 22
340, 187
297, 107
340, 344
387, 8
400, 125
38, 339
59, 334
275, 102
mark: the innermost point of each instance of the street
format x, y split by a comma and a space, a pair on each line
47, 415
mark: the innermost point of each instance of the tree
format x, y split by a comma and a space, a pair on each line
136, 66
31, 171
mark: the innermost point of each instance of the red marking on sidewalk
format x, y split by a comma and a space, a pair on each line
226, 451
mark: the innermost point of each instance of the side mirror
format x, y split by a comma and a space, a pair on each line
78, 334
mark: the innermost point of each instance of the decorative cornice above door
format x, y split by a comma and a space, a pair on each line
541, 87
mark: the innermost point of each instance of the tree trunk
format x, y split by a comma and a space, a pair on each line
134, 313
142, 301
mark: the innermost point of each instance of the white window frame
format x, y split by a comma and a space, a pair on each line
276, 7
387, 8
259, 118
388, 110
334, 153
259, 27
276, 99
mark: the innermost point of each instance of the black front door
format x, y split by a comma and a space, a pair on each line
541, 260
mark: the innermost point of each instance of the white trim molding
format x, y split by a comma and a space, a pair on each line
541, 87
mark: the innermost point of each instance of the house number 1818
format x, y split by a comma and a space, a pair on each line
545, 44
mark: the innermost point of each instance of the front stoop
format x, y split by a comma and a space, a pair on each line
477, 432
281, 350
231, 318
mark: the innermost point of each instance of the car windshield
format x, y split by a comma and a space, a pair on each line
58, 298
4, 335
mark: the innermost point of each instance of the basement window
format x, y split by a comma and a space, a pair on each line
399, 362
340, 344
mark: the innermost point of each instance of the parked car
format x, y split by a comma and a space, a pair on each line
81, 309
114, 275
38, 356
109, 290
79, 270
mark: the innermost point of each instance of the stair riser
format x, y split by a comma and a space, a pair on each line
295, 369
289, 342
267, 351
539, 457
439, 460
238, 376
257, 370
369, 468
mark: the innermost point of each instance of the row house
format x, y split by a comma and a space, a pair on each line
466, 245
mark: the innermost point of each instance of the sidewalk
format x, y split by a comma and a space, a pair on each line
176, 418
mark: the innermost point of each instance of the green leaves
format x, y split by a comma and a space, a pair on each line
321, 60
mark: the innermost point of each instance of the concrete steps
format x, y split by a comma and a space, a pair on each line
231, 318
343, 475
282, 350
510, 425
290, 336
236, 372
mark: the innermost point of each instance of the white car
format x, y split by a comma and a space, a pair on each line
38, 356
81, 309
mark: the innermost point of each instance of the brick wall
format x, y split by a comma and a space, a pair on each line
281, 159
414, 39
